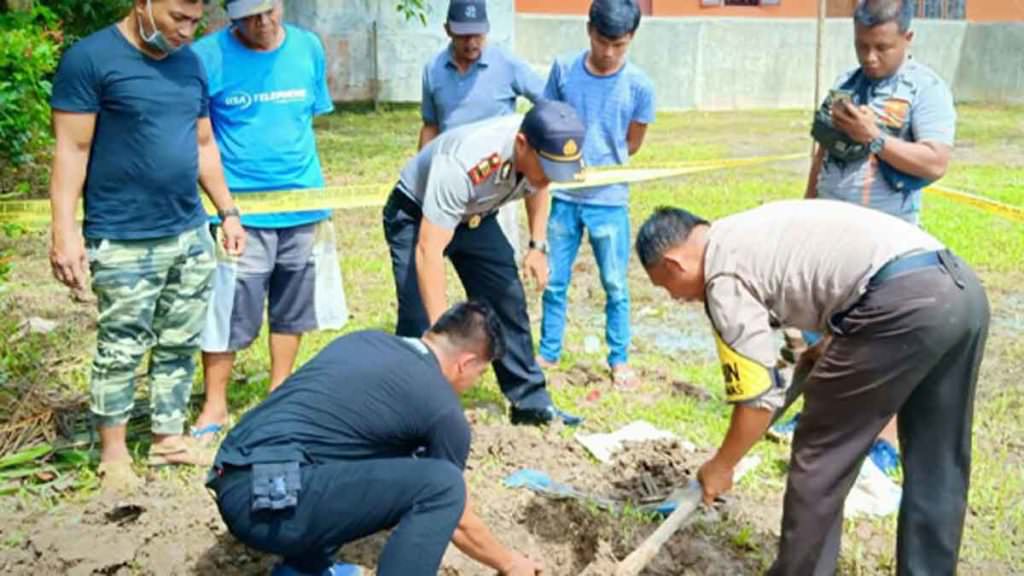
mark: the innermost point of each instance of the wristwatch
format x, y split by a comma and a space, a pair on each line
877, 145
233, 211
541, 246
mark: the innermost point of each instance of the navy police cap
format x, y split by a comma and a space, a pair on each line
468, 17
556, 133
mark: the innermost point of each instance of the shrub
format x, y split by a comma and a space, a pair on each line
29, 50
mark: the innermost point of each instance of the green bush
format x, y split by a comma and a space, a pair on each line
79, 18
29, 50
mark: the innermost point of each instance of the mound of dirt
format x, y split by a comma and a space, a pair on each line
647, 472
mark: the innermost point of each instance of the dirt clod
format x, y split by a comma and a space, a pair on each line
648, 472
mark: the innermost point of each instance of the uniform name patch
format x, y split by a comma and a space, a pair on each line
745, 379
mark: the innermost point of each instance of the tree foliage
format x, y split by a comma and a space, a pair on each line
413, 10
31, 42
29, 49
79, 18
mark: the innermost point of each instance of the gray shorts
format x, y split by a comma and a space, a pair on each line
295, 270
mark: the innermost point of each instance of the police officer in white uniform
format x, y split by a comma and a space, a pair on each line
908, 322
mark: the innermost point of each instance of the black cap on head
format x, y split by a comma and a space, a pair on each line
468, 17
556, 133
615, 18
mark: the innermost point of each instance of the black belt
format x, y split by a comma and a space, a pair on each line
400, 201
901, 265
905, 264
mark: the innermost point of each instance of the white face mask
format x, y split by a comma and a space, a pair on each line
157, 40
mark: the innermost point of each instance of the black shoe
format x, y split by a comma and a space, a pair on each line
546, 415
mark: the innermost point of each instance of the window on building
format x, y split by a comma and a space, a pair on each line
942, 9
938, 9
740, 2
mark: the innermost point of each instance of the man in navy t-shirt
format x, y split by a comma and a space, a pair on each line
130, 117
328, 458
267, 81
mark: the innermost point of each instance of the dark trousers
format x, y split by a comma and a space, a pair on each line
911, 346
485, 263
343, 501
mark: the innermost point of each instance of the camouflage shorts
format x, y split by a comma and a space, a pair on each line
152, 297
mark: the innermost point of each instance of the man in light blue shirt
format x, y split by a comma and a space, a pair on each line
470, 81
895, 131
267, 82
615, 101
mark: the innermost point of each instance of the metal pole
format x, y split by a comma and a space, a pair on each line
819, 59
376, 66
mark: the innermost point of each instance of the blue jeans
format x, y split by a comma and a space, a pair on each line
608, 230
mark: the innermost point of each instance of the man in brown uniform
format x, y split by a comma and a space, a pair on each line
908, 321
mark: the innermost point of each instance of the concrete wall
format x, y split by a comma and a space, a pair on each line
731, 63
992, 64
782, 9
704, 63
346, 28
977, 10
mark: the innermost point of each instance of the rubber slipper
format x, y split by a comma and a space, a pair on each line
625, 378
206, 435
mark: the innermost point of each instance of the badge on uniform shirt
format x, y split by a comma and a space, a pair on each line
484, 169
895, 112
474, 221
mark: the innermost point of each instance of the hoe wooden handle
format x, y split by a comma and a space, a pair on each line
650, 547
689, 500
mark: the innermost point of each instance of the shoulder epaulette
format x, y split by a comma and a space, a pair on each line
484, 168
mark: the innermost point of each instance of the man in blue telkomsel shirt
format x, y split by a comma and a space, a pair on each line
885, 131
615, 101
267, 81
130, 114
470, 81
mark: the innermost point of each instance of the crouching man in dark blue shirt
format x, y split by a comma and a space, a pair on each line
328, 458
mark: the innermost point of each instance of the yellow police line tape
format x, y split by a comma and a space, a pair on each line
1008, 211
37, 212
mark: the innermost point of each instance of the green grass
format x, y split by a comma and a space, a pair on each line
989, 160
990, 127
360, 146
998, 182
986, 241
